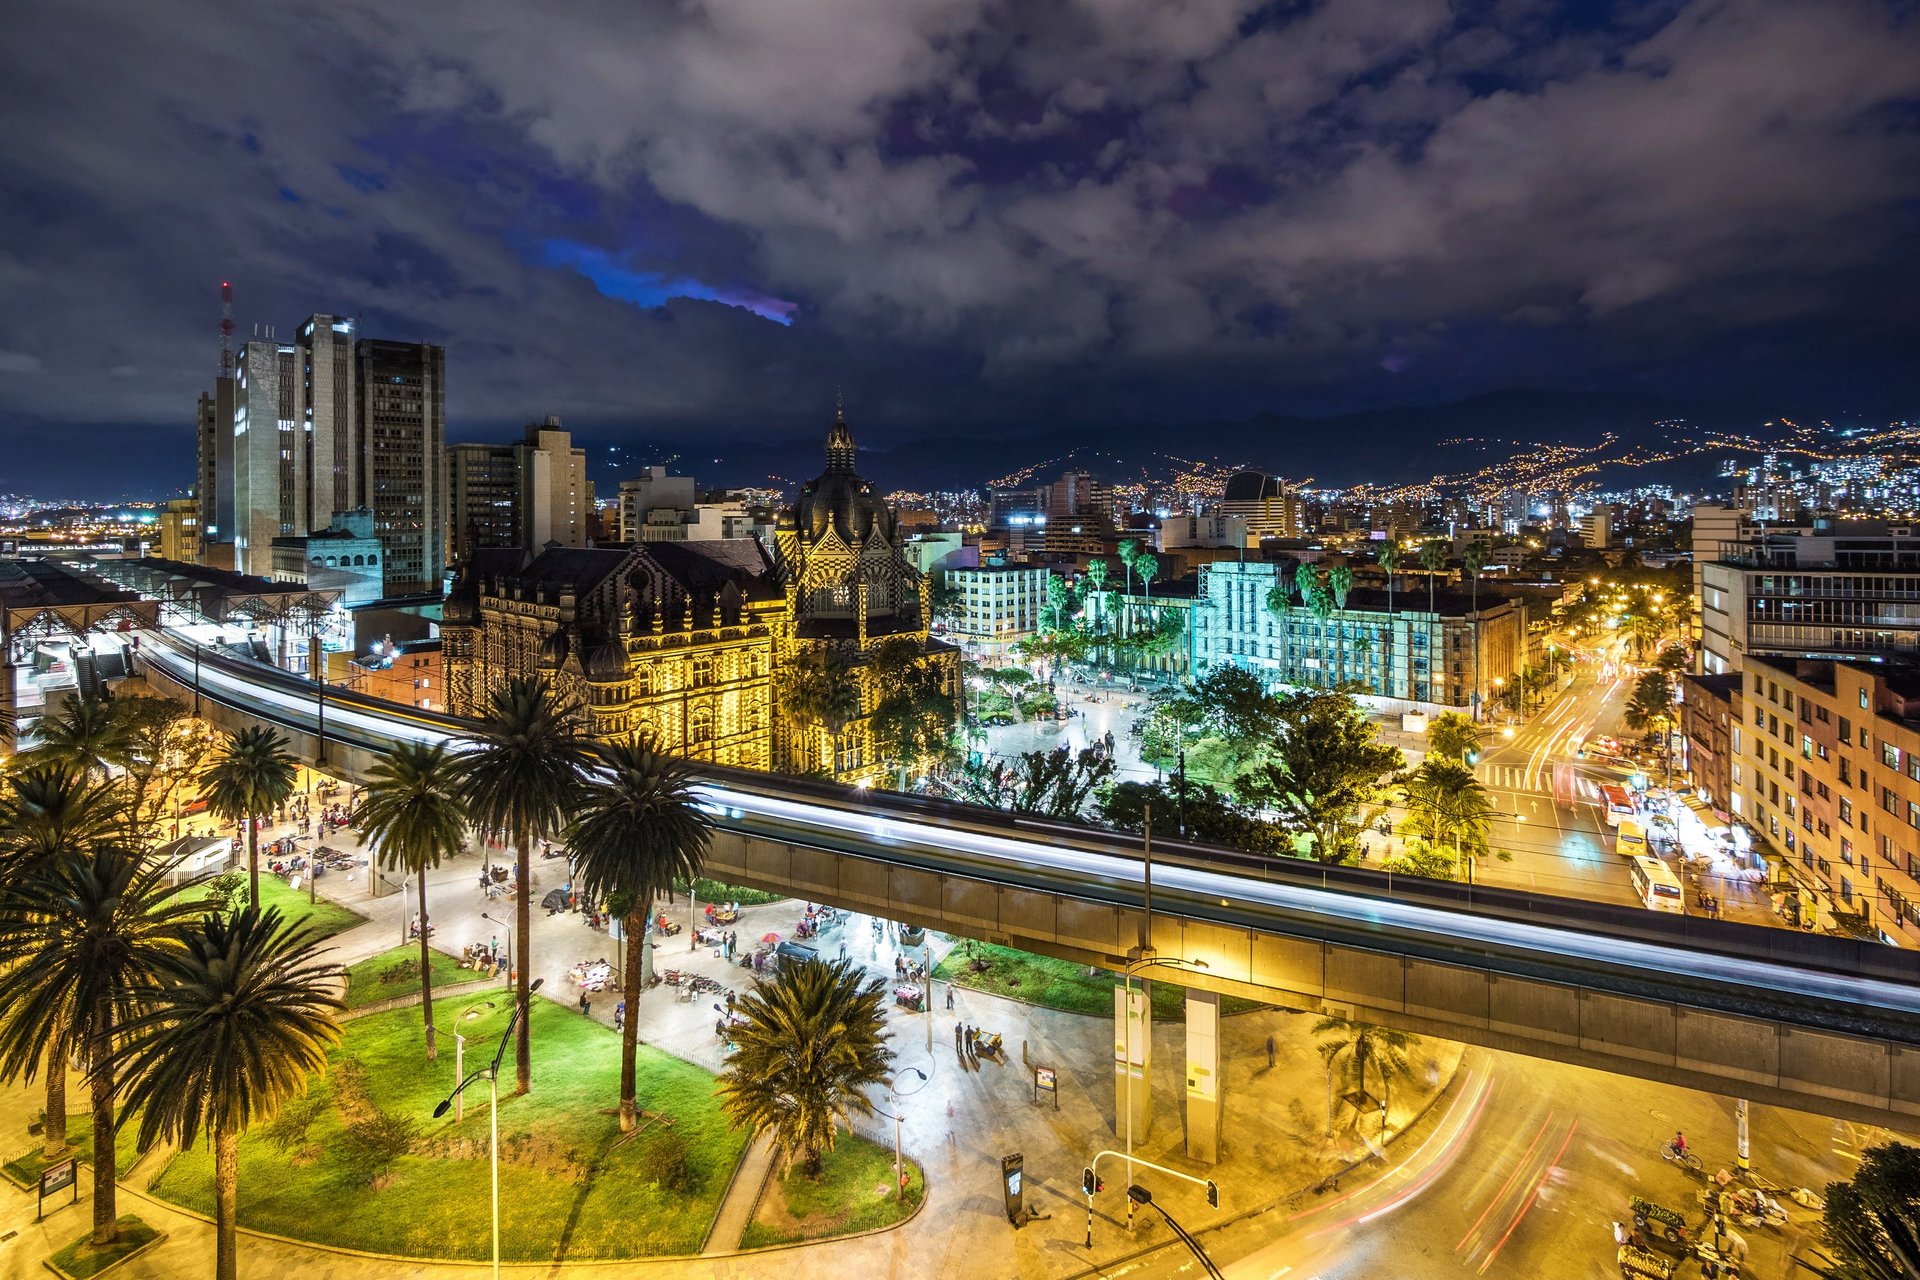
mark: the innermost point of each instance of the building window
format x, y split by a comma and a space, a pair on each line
1846, 812
1890, 756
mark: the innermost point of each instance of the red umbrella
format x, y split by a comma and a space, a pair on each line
771, 937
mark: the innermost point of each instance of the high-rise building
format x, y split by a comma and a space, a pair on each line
518, 495
483, 499
213, 473
326, 424
401, 424
1270, 508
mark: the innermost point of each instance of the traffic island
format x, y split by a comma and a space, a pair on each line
83, 1259
854, 1194
351, 1164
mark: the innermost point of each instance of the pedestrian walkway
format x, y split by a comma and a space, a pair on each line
743, 1197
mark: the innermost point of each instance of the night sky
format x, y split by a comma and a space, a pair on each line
674, 218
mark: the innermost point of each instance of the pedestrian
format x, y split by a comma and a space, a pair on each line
620, 1016
949, 997
729, 1001
843, 956
1270, 1063
584, 1008
957, 1030
970, 1048
1620, 1236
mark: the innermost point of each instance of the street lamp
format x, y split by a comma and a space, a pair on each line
509, 928
893, 1100
492, 1072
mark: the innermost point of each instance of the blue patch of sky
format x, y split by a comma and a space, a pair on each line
291, 196
653, 289
361, 179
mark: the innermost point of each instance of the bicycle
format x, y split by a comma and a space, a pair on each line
1685, 1159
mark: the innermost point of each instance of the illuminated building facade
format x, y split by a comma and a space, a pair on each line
849, 589
673, 640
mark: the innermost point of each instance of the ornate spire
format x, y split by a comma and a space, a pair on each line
840, 450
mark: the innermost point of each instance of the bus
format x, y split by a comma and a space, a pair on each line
1658, 888
1615, 802
1632, 840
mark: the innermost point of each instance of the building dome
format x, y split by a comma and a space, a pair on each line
839, 499
553, 651
606, 662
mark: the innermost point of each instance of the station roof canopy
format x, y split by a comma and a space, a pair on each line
50, 600
218, 595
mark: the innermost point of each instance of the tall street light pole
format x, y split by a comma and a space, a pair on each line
509, 928
492, 1072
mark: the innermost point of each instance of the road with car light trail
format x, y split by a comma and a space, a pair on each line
1521, 1174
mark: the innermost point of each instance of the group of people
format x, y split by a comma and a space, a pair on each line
908, 972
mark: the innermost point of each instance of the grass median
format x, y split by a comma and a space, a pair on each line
853, 1193
1061, 984
397, 973
570, 1186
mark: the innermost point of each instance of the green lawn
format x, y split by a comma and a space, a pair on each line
1062, 984
81, 1259
26, 1170
854, 1193
366, 985
326, 916
568, 1187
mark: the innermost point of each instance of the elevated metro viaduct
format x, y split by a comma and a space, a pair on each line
1820, 1024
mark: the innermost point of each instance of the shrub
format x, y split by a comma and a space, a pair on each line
670, 1161
407, 970
375, 1139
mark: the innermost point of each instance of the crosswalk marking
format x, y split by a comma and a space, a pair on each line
1506, 777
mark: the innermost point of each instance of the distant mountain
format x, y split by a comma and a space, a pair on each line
1393, 445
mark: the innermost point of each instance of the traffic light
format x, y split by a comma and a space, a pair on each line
1086, 1181
1213, 1195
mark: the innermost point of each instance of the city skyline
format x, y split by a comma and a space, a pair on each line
702, 223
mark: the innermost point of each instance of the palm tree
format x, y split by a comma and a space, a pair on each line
90, 733
1129, 553
1387, 556
245, 1013
1475, 559
83, 941
412, 812
49, 812
520, 783
249, 780
812, 1044
633, 837
1447, 805
817, 688
1433, 558
1340, 582
1361, 1044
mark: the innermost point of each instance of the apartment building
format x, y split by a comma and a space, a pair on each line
1826, 771
1818, 589
997, 604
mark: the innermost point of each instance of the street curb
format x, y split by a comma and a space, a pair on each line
1105, 1268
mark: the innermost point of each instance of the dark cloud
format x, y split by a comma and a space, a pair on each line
677, 215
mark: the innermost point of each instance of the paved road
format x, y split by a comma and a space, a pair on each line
1522, 1176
